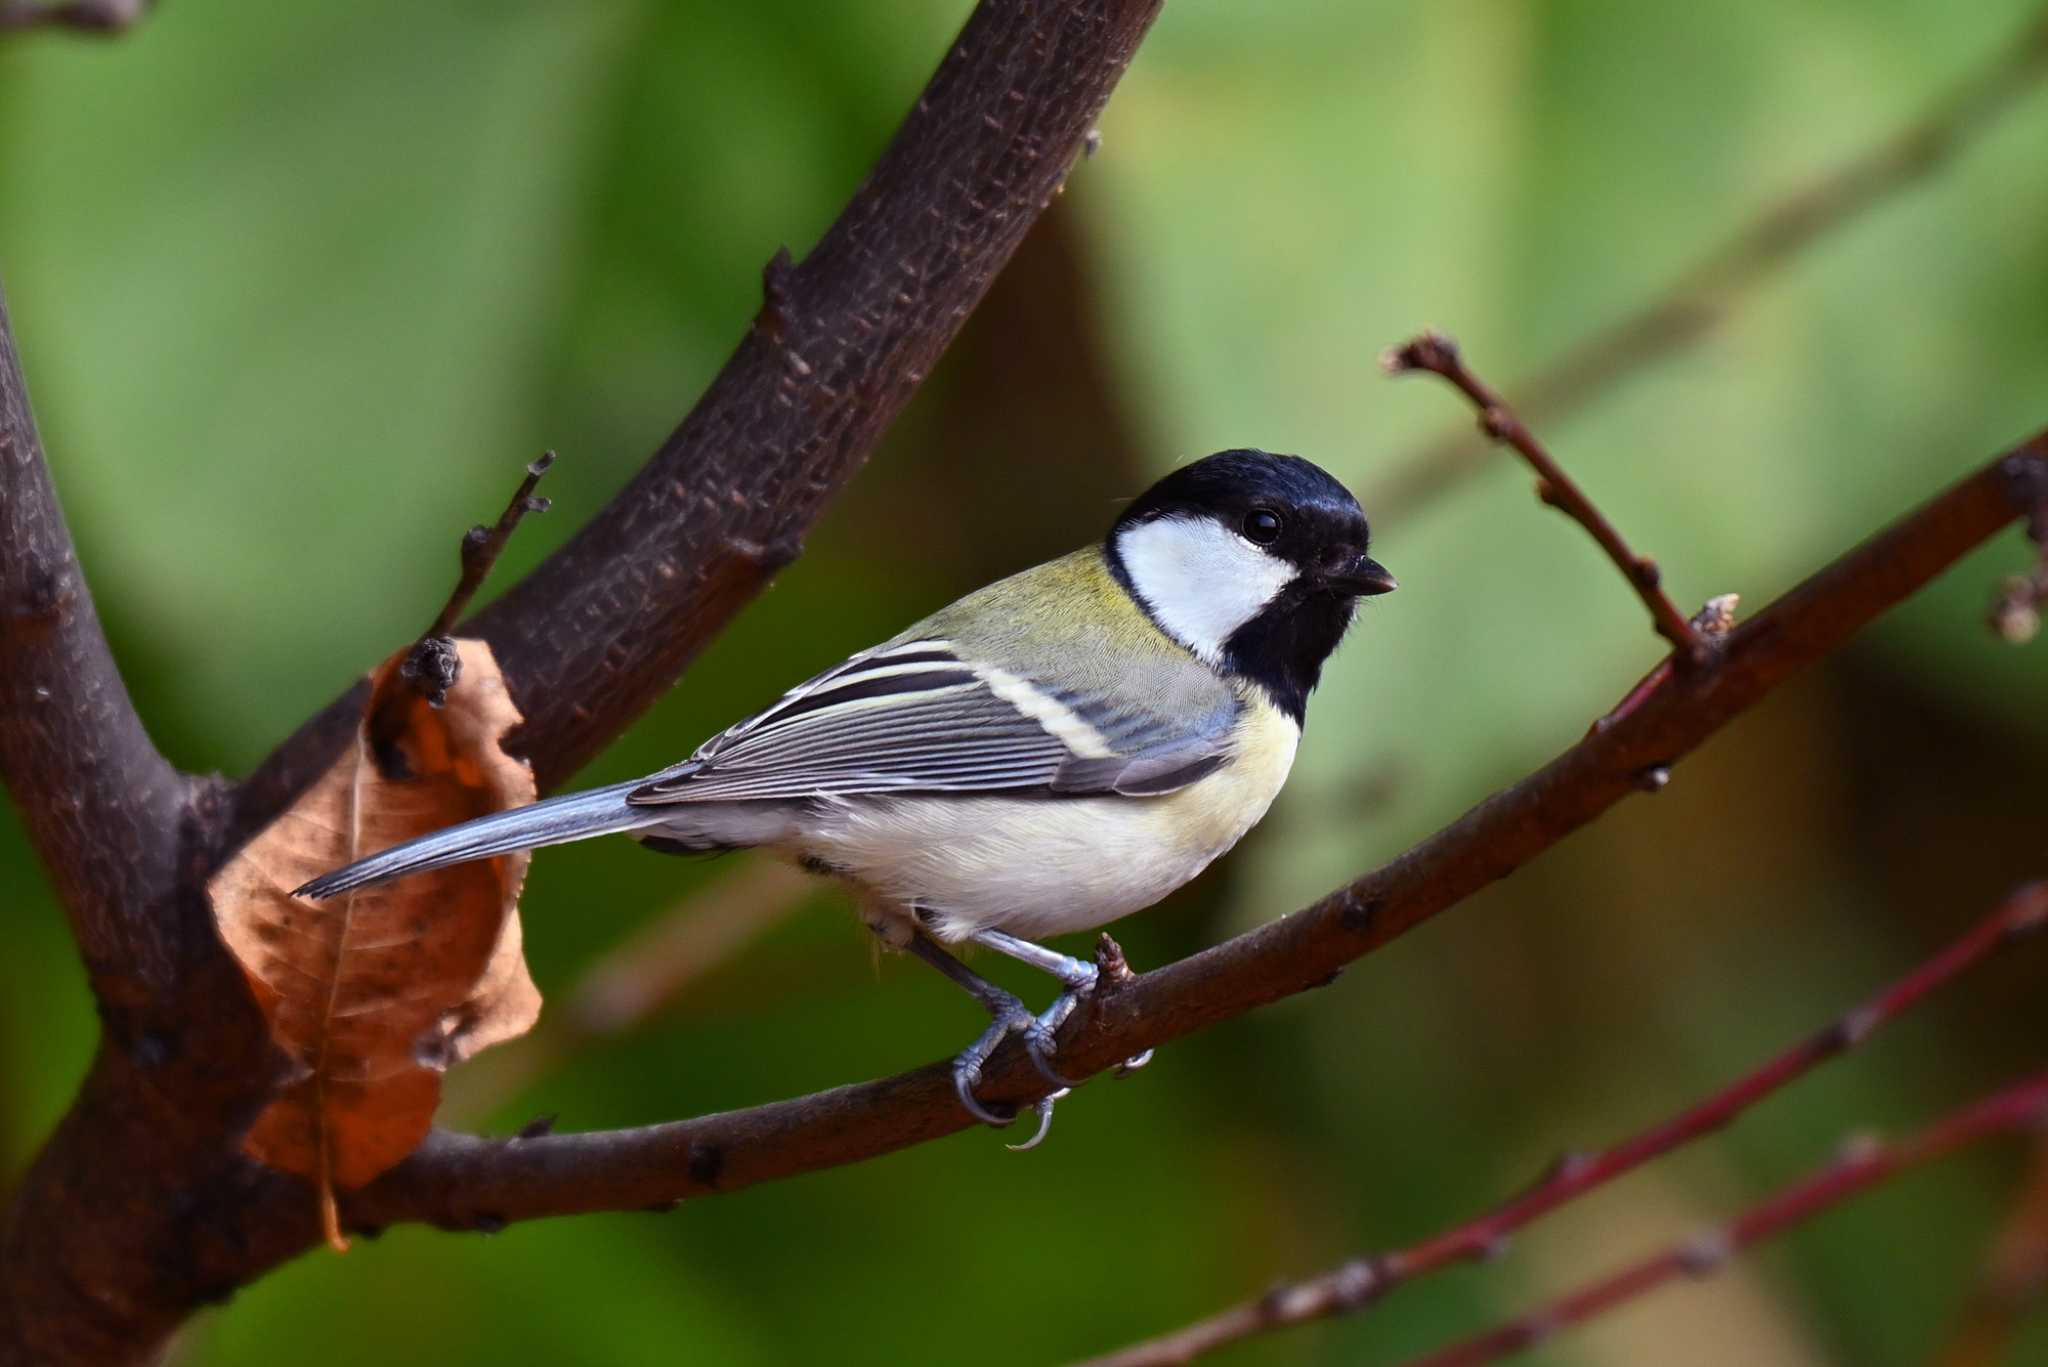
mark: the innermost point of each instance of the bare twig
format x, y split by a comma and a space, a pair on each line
1703, 296
458, 1181
1713, 621
2014, 1280
482, 546
2017, 1109
433, 666
82, 16
1438, 355
1365, 1281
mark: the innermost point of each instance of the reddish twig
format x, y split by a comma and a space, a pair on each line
1438, 355
1702, 296
1713, 621
1862, 1166
1365, 1281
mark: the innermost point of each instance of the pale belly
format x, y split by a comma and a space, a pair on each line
1040, 866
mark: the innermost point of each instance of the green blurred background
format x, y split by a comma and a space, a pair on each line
299, 288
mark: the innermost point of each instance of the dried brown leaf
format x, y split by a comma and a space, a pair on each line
376, 992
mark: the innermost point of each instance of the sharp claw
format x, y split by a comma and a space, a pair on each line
1133, 1063
1044, 1109
965, 1080
1038, 1043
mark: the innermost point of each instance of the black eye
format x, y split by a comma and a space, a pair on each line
1262, 526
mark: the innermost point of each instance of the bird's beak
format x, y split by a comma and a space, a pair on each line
1363, 577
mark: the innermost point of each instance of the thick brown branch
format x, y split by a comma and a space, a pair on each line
459, 1181
2017, 1109
1366, 1281
1703, 296
843, 339
1438, 355
587, 642
102, 806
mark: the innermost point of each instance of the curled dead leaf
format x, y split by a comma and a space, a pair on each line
375, 993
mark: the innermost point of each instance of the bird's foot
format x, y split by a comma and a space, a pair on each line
1007, 1016
1041, 1036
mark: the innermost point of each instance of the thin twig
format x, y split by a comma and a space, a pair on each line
1703, 295
2014, 1280
1713, 621
81, 16
457, 1181
2017, 1109
1438, 355
433, 665
1365, 1281
482, 545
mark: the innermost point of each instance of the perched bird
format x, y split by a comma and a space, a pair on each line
1051, 752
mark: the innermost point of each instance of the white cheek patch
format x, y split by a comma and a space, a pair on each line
1201, 580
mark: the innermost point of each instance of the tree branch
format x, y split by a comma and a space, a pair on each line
103, 808
843, 339
1438, 355
462, 1182
2017, 1109
1367, 1281
141, 1207
1703, 295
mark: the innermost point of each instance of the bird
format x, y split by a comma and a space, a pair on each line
1050, 753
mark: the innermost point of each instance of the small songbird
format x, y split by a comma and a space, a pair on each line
1052, 752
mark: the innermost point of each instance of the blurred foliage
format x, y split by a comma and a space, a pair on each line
300, 287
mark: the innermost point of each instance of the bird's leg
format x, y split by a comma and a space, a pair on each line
1078, 976
1007, 1015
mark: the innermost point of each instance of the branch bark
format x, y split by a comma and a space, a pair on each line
141, 1208
461, 1182
600, 630
103, 808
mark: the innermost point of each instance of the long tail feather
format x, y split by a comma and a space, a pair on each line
577, 816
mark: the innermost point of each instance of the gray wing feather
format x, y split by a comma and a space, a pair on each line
915, 717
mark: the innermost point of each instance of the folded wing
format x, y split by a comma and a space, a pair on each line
922, 717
